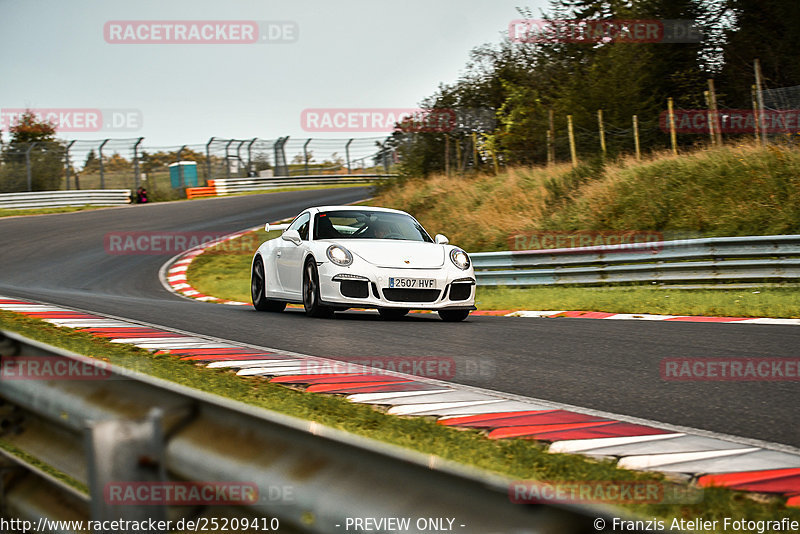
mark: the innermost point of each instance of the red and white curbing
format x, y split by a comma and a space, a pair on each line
173, 273
705, 458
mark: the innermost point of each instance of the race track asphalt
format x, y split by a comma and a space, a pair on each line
600, 364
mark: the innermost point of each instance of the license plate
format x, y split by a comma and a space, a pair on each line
412, 283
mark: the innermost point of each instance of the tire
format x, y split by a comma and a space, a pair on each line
311, 301
258, 290
453, 316
392, 314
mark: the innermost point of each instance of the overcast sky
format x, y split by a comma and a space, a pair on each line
353, 54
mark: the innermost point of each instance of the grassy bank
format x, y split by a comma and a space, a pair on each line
519, 459
729, 191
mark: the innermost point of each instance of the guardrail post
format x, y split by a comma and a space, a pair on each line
305, 154
208, 159
28, 165
102, 169
66, 163
124, 455
136, 175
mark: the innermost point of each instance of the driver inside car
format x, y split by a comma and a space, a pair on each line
380, 229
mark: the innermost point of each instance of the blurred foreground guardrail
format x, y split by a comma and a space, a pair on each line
128, 428
63, 199
227, 186
775, 257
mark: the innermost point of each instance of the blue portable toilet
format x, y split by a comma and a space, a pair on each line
189, 171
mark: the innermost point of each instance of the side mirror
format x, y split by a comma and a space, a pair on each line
291, 235
275, 227
441, 240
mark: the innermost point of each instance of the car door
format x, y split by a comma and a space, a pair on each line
289, 257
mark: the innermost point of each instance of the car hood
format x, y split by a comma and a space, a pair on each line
395, 253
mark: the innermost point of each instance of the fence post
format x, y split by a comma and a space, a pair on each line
208, 159
239, 156
66, 159
28, 165
347, 154
636, 137
756, 115
136, 176
447, 154
180, 167
475, 150
305, 154
250, 156
551, 134
710, 119
227, 159
712, 93
102, 167
760, 99
672, 136
572, 150
602, 131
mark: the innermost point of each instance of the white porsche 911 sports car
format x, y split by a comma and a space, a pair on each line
333, 258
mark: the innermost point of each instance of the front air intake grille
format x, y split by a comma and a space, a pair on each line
411, 295
460, 291
355, 289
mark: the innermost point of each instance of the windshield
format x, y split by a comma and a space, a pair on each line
362, 224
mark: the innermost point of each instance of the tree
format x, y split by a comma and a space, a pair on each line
42, 161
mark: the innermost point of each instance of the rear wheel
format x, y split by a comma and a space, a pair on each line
452, 316
311, 301
392, 314
258, 287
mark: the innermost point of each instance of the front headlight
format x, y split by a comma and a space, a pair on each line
459, 259
339, 255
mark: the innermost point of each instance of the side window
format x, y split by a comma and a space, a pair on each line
301, 225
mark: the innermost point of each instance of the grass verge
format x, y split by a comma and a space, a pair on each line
516, 458
46, 211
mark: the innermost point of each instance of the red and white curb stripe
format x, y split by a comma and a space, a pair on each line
172, 274
706, 458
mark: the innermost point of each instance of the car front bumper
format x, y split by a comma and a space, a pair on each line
454, 289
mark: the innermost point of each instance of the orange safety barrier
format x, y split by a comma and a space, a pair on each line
195, 192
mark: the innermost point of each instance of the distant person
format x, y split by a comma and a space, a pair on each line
141, 195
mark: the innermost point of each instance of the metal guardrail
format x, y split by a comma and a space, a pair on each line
226, 186
775, 257
63, 199
130, 427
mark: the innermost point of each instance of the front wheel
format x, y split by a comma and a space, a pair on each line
452, 316
258, 290
311, 301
